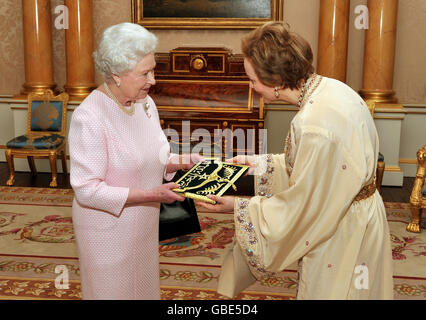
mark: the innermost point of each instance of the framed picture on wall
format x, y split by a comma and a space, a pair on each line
205, 14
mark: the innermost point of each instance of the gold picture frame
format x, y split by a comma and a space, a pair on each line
156, 17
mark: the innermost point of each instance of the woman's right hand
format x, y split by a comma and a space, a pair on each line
162, 193
165, 193
245, 160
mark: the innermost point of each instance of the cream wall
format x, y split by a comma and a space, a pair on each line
302, 15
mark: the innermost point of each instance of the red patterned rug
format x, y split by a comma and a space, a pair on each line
38, 254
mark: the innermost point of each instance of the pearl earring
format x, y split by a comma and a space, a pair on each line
276, 93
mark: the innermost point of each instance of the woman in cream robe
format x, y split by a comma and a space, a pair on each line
305, 209
316, 204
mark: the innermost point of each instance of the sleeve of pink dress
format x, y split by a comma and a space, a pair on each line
89, 165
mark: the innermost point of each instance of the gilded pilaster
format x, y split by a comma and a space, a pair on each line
79, 49
333, 38
379, 51
37, 46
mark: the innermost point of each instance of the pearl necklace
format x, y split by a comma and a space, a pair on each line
130, 111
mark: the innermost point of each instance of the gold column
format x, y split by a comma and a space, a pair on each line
379, 51
333, 38
37, 46
79, 49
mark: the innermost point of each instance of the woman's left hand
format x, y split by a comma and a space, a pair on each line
223, 204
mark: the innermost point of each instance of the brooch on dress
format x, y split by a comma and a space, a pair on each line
146, 109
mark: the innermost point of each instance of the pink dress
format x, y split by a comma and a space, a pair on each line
110, 153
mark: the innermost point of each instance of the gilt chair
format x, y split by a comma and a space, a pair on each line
371, 104
418, 194
45, 136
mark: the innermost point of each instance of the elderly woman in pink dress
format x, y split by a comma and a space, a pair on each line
119, 157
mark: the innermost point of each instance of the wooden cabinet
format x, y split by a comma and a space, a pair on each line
204, 101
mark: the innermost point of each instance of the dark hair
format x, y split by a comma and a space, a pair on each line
279, 57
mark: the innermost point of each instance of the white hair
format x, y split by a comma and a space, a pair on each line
121, 47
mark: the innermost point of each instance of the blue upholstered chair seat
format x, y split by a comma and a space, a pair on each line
45, 136
381, 157
26, 142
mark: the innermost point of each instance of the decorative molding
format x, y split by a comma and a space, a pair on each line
415, 105
416, 112
415, 108
408, 161
280, 103
138, 16
388, 118
393, 168
282, 109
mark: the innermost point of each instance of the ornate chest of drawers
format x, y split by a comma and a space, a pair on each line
205, 102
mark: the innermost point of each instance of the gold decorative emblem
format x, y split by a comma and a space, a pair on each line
198, 62
45, 115
209, 177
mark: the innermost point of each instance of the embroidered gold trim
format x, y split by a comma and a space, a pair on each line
366, 192
264, 179
246, 237
287, 153
314, 82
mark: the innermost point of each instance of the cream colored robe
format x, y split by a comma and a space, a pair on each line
305, 213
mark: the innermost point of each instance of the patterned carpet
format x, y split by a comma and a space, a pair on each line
37, 240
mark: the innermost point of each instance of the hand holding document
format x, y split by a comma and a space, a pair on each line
210, 177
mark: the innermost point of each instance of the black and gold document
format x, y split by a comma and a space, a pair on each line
211, 176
